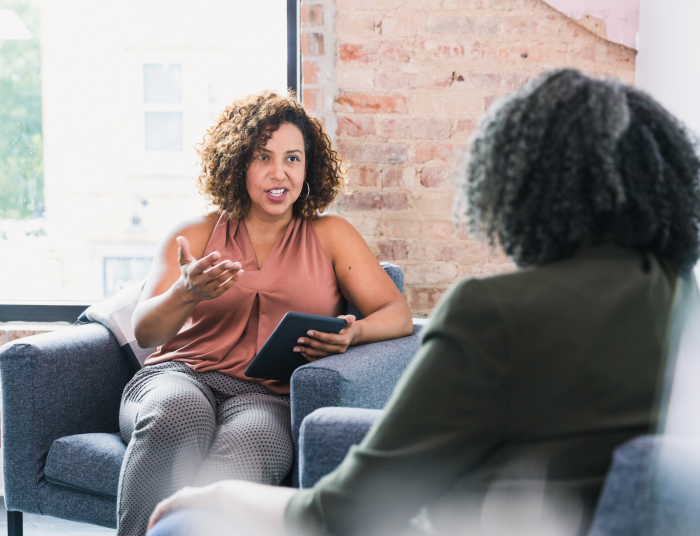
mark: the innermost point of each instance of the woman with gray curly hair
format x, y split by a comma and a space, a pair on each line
506, 420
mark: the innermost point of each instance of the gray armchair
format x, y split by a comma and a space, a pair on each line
60, 404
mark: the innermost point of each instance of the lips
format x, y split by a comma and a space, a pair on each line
276, 195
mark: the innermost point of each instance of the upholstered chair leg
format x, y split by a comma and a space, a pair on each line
14, 523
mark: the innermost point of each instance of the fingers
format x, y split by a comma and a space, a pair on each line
183, 251
349, 320
163, 508
314, 347
202, 264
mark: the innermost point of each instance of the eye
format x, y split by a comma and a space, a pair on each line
263, 156
294, 158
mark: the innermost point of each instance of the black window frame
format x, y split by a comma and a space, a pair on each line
68, 311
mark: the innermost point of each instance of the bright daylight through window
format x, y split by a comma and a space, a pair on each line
101, 106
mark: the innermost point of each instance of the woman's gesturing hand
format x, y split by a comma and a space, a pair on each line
317, 344
203, 279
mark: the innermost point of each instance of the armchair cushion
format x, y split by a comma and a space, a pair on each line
86, 462
55, 385
325, 438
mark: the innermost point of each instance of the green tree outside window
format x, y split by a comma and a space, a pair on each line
21, 146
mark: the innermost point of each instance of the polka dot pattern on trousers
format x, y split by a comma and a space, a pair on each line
186, 428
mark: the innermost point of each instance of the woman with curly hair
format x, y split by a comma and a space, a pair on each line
220, 284
506, 419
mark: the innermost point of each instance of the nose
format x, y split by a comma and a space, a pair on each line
277, 170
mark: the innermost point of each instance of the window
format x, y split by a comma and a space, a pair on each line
105, 104
162, 88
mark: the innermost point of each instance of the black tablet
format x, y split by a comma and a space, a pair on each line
276, 360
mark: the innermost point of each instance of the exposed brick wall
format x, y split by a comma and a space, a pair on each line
10, 332
402, 85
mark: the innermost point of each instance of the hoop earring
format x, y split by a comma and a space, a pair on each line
308, 191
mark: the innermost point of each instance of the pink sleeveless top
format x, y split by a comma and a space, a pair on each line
225, 333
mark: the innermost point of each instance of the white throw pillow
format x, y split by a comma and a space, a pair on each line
115, 314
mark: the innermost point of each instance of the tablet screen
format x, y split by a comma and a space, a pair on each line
276, 360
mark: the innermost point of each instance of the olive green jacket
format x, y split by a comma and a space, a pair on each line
524, 382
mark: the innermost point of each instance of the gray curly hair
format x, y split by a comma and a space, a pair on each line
569, 159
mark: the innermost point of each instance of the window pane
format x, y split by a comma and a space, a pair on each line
162, 83
121, 273
164, 131
227, 83
101, 107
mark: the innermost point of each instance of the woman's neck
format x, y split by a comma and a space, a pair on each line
266, 227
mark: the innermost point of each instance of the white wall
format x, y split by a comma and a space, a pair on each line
667, 63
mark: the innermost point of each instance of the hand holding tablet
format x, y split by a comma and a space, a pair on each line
277, 359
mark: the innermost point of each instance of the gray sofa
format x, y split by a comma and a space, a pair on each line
60, 403
652, 487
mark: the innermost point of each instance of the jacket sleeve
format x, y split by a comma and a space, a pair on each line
448, 411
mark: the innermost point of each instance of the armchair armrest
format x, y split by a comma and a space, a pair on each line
54, 385
362, 377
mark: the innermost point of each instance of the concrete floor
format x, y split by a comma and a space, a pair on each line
35, 525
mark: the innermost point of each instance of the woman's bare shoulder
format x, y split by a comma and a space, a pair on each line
338, 236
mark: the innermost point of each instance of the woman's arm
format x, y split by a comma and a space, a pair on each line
179, 279
365, 284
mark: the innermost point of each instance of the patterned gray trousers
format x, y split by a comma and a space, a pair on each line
186, 428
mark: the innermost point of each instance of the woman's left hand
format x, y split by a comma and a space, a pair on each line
316, 345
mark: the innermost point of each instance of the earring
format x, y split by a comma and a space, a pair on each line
308, 191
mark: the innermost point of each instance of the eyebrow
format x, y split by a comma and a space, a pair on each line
292, 151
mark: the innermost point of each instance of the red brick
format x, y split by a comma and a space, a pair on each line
351, 24
365, 225
356, 125
313, 99
496, 81
392, 250
474, 25
378, 51
398, 26
415, 128
462, 4
550, 26
393, 79
440, 252
437, 203
15, 334
362, 103
310, 72
399, 177
448, 104
312, 44
425, 298
550, 52
488, 101
442, 177
439, 50
605, 52
430, 273
425, 152
505, 5
369, 4
374, 201
311, 15
364, 176
349, 78
416, 229
464, 128
383, 153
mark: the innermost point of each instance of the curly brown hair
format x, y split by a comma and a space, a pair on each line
241, 129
